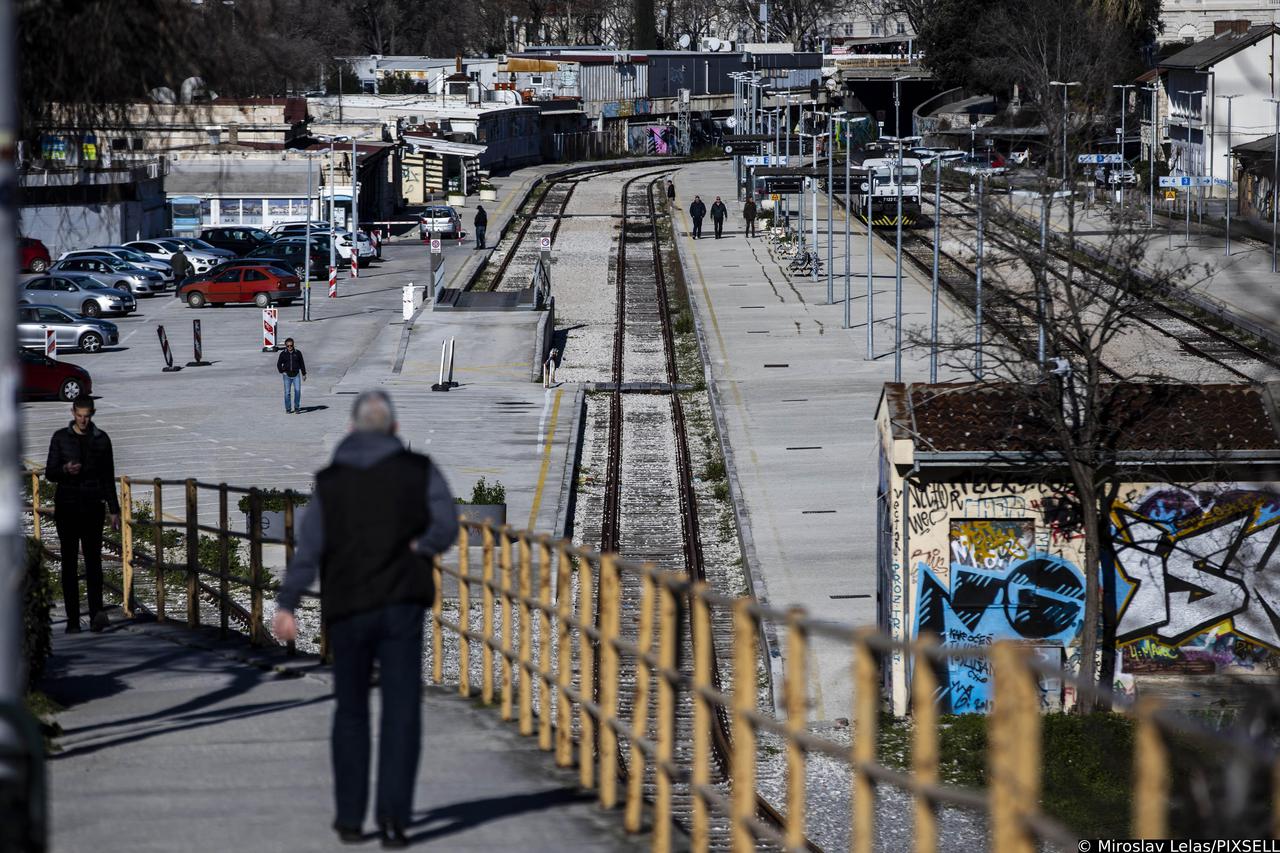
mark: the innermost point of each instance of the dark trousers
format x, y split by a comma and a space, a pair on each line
480, 236
392, 635
697, 227
719, 224
80, 527
751, 226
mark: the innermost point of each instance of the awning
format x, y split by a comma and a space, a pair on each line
535, 65
432, 145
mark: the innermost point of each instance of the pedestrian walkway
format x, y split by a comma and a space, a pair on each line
797, 397
172, 741
1242, 283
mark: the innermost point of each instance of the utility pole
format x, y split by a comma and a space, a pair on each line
831, 150
978, 330
897, 340
1188, 95
1275, 183
1065, 163
1151, 157
1124, 107
1230, 171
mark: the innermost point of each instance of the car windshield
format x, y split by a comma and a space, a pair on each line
131, 255
91, 283
198, 244
114, 263
172, 245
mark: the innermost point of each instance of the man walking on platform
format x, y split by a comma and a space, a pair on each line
718, 213
293, 368
481, 223
697, 211
749, 216
377, 517
671, 191
82, 465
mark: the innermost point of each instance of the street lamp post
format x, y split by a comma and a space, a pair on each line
1275, 174
1187, 125
1151, 158
1230, 170
1124, 107
978, 285
848, 214
831, 118
897, 334
1065, 86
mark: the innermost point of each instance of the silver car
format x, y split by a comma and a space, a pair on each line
163, 249
114, 272
71, 332
129, 256
78, 293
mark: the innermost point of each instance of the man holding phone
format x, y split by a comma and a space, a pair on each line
82, 465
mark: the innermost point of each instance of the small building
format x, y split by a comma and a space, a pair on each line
979, 540
419, 74
73, 207
1256, 188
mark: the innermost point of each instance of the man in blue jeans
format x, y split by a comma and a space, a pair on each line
293, 368
378, 515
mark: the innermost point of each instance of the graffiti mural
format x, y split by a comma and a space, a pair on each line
1198, 580
998, 587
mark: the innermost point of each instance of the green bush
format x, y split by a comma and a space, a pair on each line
37, 604
486, 494
272, 500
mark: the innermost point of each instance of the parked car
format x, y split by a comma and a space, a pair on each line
129, 256
235, 238
926, 155
44, 377
1122, 177
114, 272
342, 237
260, 285
293, 255
980, 164
78, 293
33, 254
441, 219
282, 265
164, 248
297, 229
195, 244
83, 333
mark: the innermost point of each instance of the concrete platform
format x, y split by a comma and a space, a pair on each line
796, 399
167, 746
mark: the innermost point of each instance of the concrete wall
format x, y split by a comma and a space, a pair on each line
975, 555
66, 227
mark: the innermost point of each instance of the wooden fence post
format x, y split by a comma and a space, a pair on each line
524, 627
1150, 775
504, 565
193, 554
668, 639
255, 567
586, 666
545, 685
486, 617
640, 706
609, 624
564, 659
224, 562
126, 545
157, 501
795, 692
1014, 750
464, 610
924, 743
866, 721
701, 771
743, 767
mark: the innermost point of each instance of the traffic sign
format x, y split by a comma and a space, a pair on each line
435, 245
1186, 181
775, 197
767, 160
1221, 182
544, 244
1170, 195
1100, 159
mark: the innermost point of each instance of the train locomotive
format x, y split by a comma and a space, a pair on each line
881, 182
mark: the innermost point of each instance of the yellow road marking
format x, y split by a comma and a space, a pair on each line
546, 460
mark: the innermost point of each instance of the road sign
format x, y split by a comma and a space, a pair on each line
1186, 181
544, 244
435, 245
775, 197
1170, 195
1099, 158
766, 160
1221, 182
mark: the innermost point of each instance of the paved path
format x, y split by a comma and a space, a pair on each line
167, 746
798, 399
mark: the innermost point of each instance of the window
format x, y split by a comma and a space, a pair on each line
875, 28
229, 276
119, 144
50, 315
535, 79
27, 315
848, 30
254, 275
902, 28
229, 210
215, 136
251, 211
40, 284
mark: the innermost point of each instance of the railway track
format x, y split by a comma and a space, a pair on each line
1192, 335
647, 465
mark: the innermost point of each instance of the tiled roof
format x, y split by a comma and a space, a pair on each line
1140, 417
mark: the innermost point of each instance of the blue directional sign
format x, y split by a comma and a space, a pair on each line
766, 160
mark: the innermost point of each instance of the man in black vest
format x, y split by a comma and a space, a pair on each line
378, 515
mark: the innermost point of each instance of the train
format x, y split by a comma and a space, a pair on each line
882, 184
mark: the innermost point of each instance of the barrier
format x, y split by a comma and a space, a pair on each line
549, 368
333, 282
50, 343
197, 345
446, 367
355, 262
270, 328
164, 348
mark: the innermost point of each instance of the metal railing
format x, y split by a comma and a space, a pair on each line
563, 653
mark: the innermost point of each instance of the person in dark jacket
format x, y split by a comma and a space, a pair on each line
718, 213
482, 223
671, 192
180, 265
697, 211
378, 515
749, 216
82, 465
291, 365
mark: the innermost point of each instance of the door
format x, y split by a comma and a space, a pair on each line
64, 293
254, 282
52, 318
30, 333
225, 287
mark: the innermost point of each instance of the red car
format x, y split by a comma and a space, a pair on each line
43, 377
260, 285
34, 255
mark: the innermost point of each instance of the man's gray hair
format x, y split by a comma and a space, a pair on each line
373, 412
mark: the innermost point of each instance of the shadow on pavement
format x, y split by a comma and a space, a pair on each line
466, 815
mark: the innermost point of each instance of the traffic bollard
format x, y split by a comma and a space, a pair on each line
270, 328
197, 345
333, 282
51, 343
442, 385
168, 354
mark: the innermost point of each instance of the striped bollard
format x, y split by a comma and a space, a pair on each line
168, 353
197, 344
333, 282
270, 328
51, 343
355, 262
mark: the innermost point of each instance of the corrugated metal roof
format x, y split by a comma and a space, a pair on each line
1213, 50
236, 177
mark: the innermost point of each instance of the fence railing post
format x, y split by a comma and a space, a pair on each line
464, 610
224, 562
545, 685
290, 512
795, 696
1150, 775
437, 620
586, 666
640, 705
524, 627
157, 501
564, 658
193, 554
609, 624
924, 743
743, 767
486, 617
701, 774
126, 546
255, 567
504, 565
1014, 751
866, 722
35, 505
668, 631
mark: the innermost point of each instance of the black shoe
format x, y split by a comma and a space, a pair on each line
393, 837
73, 627
99, 622
347, 835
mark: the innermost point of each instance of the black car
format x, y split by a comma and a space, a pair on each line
234, 238
292, 254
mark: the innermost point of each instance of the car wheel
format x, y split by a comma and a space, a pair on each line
196, 299
91, 342
124, 287
39, 265
91, 309
262, 300
71, 388
300, 272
